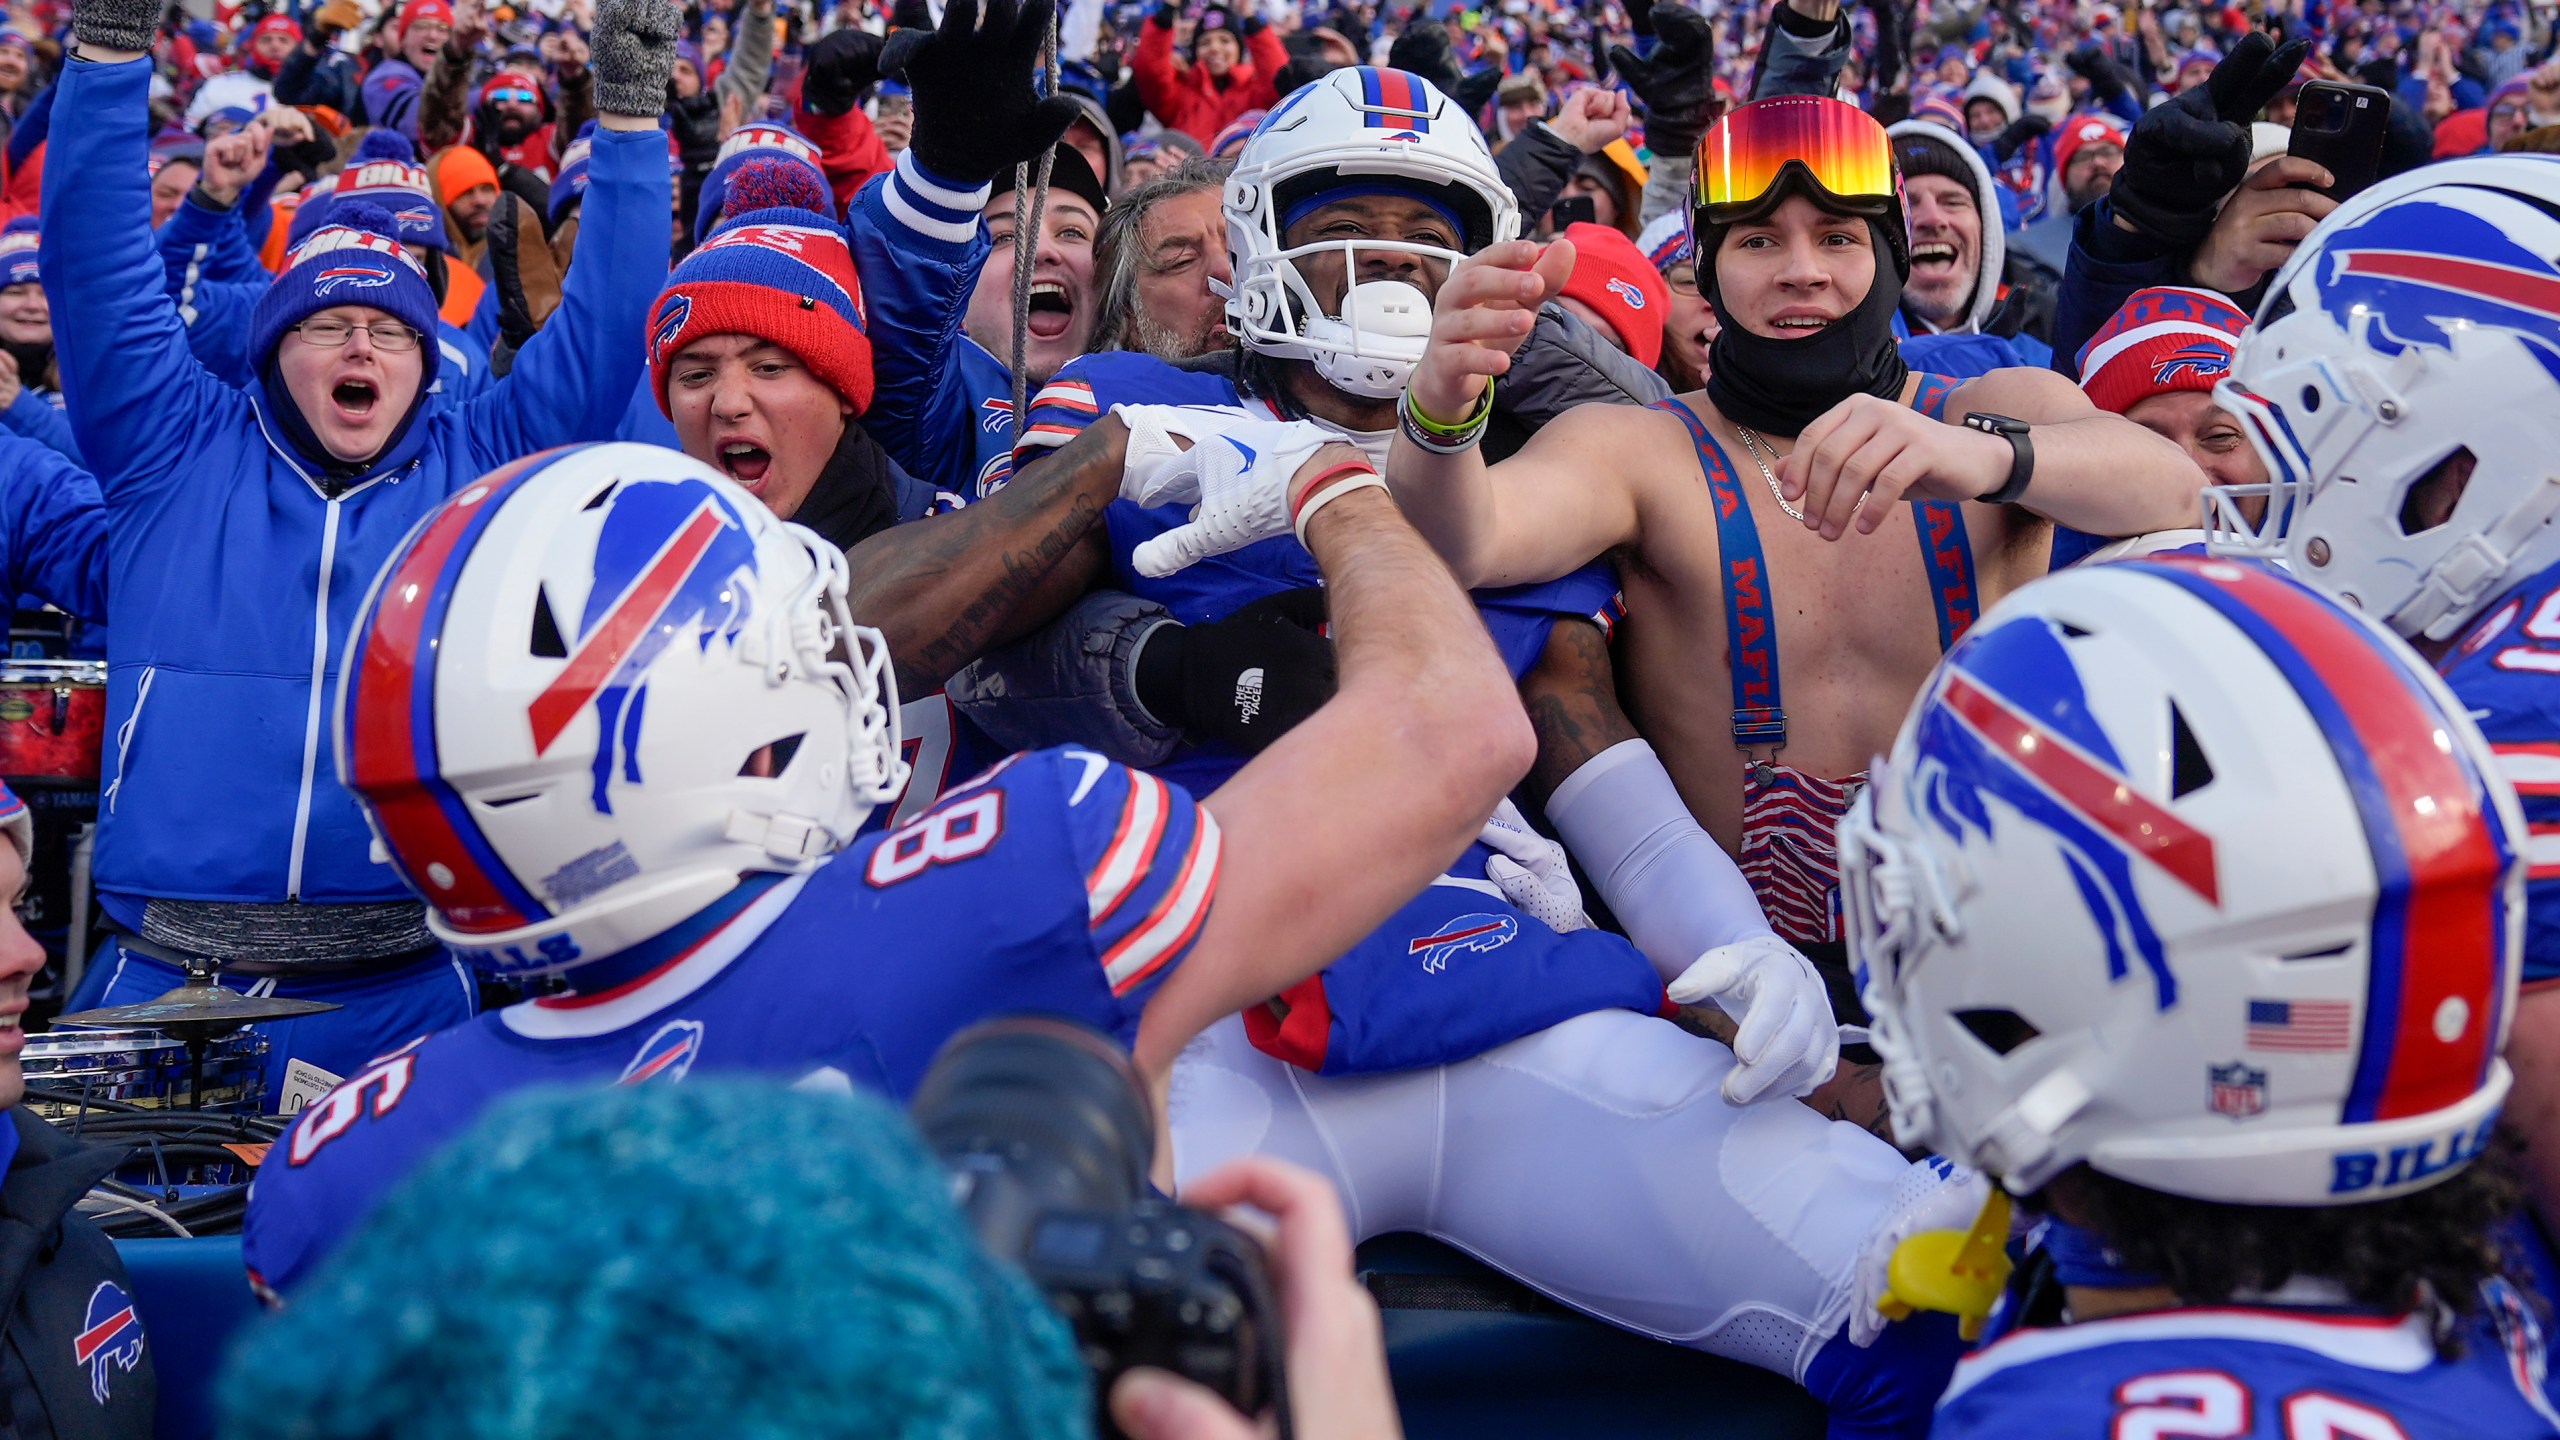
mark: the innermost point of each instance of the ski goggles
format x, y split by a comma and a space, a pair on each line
1835, 148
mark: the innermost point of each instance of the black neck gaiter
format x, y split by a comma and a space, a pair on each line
1778, 387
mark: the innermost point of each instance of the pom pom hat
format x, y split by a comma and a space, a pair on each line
18, 244
352, 260
385, 171
761, 139
777, 270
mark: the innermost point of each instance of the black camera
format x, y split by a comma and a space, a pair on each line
1049, 1137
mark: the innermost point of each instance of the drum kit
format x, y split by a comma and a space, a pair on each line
189, 1048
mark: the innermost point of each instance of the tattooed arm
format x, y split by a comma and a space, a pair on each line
946, 590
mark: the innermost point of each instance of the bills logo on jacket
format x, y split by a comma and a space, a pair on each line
110, 1338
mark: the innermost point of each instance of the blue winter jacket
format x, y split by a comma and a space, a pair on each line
53, 530
941, 405
235, 576
37, 415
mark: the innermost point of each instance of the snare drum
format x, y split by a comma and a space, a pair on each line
53, 722
142, 1067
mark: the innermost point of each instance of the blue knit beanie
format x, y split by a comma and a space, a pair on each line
766, 138
713, 1258
19, 240
385, 171
571, 183
351, 260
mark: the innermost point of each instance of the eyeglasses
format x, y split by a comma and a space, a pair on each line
1836, 148
1682, 280
388, 335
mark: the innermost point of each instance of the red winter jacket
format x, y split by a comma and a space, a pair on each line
1182, 95
850, 151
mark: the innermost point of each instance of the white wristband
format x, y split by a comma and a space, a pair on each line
1329, 492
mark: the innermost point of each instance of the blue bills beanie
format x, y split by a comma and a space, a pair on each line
354, 259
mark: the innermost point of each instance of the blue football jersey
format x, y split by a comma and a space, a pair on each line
2253, 1373
1458, 969
2506, 671
1057, 883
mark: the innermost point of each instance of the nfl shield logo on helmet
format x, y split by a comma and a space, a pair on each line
110, 1338
666, 1055
2239, 1089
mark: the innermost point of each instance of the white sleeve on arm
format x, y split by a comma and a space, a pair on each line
1676, 891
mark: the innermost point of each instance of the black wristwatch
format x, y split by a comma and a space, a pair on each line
2022, 454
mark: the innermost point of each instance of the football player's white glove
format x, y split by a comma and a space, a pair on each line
1532, 872
1788, 1043
1152, 470
1239, 480
1935, 1195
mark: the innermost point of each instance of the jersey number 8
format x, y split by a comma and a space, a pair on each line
955, 832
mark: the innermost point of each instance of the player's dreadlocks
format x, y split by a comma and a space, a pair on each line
2382, 1252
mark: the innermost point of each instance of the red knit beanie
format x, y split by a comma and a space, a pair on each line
1612, 276
778, 270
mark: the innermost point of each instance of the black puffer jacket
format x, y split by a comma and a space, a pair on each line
76, 1364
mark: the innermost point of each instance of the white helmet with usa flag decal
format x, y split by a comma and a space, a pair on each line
596, 687
2402, 382
1359, 130
2186, 872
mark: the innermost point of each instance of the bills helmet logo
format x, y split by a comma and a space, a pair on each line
2008, 720
995, 414
2239, 1089
349, 277
110, 1338
2203, 360
1624, 291
666, 1056
2413, 274
1463, 935
670, 323
666, 566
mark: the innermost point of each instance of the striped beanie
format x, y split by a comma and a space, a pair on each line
18, 243
570, 185
17, 824
385, 171
352, 260
763, 138
777, 269
1665, 240
2165, 339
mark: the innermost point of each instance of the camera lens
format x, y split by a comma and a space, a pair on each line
1033, 1114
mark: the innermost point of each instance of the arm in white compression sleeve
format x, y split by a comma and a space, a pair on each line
1676, 891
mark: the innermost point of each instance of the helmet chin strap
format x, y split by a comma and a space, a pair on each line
2469, 573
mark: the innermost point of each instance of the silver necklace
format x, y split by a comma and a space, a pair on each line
1751, 443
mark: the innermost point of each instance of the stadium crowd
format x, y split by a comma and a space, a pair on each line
610, 543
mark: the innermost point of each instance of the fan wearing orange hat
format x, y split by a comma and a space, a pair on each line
1615, 290
466, 185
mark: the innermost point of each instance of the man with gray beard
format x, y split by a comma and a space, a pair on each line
1162, 247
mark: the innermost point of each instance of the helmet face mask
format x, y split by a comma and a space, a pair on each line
2125, 895
1355, 131
595, 690
2400, 384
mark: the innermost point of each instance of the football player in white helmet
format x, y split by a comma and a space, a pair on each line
2402, 383
2189, 906
612, 721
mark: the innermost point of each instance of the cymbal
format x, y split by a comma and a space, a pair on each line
197, 1005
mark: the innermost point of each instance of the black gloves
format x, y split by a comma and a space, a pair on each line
306, 158
1640, 16
633, 53
2188, 154
1677, 85
2106, 80
976, 113
515, 317
2021, 130
1245, 679
840, 67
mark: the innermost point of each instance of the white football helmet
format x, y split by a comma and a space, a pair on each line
596, 687
1363, 128
2415, 334
2184, 871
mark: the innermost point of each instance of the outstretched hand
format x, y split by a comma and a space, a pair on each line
1487, 307
976, 111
